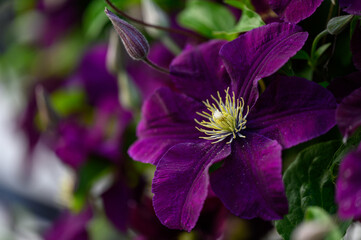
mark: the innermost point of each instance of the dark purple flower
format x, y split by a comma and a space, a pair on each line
294, 11
348, 186
185, 133
70, 226
351, 6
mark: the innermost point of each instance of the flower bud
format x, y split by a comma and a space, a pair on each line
135, 43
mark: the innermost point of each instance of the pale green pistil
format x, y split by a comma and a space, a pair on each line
224, 119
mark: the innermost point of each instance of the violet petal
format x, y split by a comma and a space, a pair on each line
250, 181
293, 110
294, 11
348, 186
199, 71
348, 113
259, 53
351, 6
181, 181
168, 119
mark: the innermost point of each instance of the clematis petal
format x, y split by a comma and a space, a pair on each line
259, 53
351, 6
356, 46
199, 71
294, 11
168, 119
348, 186
348, 113
293, 110
250, 181
181, 181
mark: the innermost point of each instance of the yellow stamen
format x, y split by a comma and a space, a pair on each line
225, 118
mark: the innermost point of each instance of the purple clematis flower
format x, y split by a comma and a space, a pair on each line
294, 11
220, 117
348, 186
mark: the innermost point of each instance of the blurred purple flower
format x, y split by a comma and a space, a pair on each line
249, 183
70, 226
60, 17
103, 138
94, 76
348, 186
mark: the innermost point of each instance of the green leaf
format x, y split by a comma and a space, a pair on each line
301, 55
310, 181
66, 102
353, 24
101, 228
240, 4
94, 19
320, 216
321, 50
92, 171
249, 19
206, 17
337, 24
287, 69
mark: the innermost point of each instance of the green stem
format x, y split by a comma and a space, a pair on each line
314, 45
156, 67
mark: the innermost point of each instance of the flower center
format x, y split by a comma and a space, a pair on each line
224, 119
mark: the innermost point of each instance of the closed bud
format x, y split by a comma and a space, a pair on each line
135, 43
